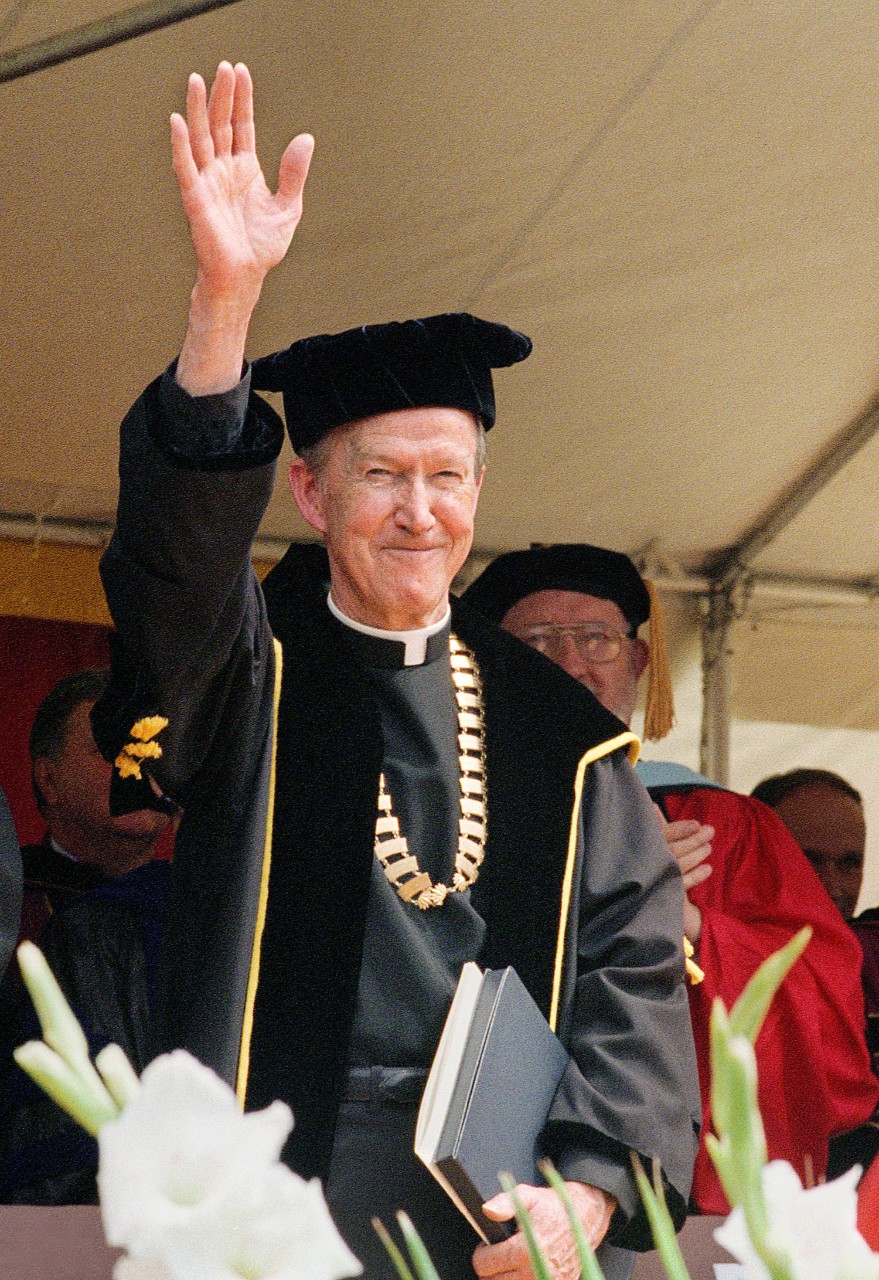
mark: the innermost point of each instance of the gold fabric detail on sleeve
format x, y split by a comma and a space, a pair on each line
128, 761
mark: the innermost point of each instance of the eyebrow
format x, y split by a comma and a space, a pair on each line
460, 457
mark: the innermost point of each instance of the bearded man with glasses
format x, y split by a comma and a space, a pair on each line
748, 886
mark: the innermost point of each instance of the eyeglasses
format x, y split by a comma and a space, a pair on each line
594, 642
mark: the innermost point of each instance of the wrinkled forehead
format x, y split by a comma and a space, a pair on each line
562, 608
823, 817
405, 434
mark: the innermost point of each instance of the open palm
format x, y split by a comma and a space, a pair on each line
239, 229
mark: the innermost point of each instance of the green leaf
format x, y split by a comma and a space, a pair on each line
739, 1149
748, 1012
539, 1264
119, 1076
421, 1259
739, 1152
393, 1252
661, 1225
66, 1086
589, 1268
719, 1039
61, 1031
80, 1091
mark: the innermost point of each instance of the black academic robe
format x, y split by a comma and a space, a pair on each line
46, 881
265, 934
10, 884
102, 942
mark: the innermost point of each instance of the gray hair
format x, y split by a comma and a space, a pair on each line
315, 455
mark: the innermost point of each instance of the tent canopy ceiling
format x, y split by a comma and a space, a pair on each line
676, 200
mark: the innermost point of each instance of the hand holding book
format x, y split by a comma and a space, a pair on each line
494, 1076
510, 1258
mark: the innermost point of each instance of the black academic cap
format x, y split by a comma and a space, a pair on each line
594, 571
334, 378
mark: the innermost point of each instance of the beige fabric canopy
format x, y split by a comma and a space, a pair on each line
676, 200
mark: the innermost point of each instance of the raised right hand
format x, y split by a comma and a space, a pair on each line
239, 229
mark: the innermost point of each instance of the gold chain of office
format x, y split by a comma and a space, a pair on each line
392, 848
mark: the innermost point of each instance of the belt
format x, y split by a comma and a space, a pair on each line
384, 1084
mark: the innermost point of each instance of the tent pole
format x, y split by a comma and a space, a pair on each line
100, 34
837, 454
717, 617
730, 572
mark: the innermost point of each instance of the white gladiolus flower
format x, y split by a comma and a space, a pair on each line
816, 1227
279, 1228
190, 1183
135, 1269
178, 1146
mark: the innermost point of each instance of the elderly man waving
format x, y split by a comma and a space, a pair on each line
376, 787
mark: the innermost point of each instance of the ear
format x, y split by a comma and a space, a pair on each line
307, 495
640, 656
44, 776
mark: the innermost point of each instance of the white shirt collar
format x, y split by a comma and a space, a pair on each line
414, 642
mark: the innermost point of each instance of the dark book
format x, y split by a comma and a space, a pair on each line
493, 1079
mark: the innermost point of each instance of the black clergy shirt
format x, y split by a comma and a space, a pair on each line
412, 958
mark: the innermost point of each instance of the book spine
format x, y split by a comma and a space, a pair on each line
467, 1192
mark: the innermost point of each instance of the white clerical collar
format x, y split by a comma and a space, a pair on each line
414, 642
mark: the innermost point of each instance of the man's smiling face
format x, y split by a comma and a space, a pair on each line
395, 499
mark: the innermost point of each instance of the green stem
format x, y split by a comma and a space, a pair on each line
66, 1086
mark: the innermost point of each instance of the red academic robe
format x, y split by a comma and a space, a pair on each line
814, 1069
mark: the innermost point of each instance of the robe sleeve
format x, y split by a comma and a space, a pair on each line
193, 644
812, 1061
631, 1085
192, 641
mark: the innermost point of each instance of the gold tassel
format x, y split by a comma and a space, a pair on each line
659, 715
694, 973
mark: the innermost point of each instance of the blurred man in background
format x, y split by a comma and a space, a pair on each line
825, 815
95, 901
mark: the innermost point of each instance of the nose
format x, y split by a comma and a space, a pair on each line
413, 511
570, 659
838, 882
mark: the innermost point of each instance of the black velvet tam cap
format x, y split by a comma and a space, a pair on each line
594, 571
444, 361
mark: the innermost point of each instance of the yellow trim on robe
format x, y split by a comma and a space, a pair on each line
253, 977
596, 753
